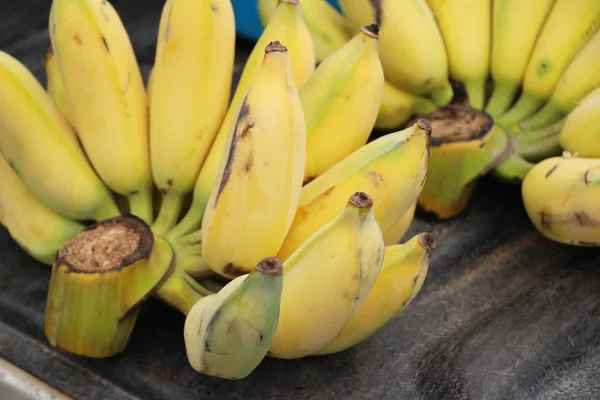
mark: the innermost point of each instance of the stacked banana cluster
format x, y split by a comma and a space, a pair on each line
507, 86
267, 219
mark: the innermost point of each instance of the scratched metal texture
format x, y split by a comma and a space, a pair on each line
503, 314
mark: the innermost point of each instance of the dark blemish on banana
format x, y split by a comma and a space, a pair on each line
585, 178
233, 270
546, 220
170, 182
550, 171
77, 39
105, 44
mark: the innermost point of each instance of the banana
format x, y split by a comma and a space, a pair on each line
191, 84
56, 87
43, 150
397, 106
328, 28
253, 203
396, 232
327, 279
516, 25
392, 169
411, 45
341, 102
402, 275
287, 27
569, 26
580, 78
106, 96
466, 29
466, 144
581, 131
229, 333
39, 230
561, 196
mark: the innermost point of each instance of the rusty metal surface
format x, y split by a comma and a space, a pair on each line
503, 313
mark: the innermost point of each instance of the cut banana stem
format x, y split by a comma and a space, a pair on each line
98, 283
287, 27
106, 96
513, 169
581, 131
391, 169
561, 197
402, 275
191, 84
228, 334
327, 279
341, 101
43, 150
39, 230
465, 145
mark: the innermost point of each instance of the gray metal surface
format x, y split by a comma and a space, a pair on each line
503, 314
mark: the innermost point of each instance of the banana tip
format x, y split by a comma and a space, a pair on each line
270, 266
371, 30
275, 46
361, 200
427, 241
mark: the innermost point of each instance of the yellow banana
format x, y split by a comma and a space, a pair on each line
466, 29
568, 27
56, 87
402, 275
396, 232
287, 27
252, 205
392, 169
581, 131
39, 230
328, 28
580, 78
397, 106
411, 45
43, 150
516, 25
106, 94
561, 196
341, 101
228, 334
327, 279
191, 84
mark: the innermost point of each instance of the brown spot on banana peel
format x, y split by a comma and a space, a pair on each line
77, 39
233, 270
585, 178
545, 220
375, 177
550, 171
170, 182
378, 10
105, 44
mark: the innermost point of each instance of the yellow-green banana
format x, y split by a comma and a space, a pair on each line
396, 232
39, 230
568, 27
56, 87
466, 29
327, 279
580, 78
43, 150
191, 85
341, 101
253, 202
581, 130
328, 28
287, 27
391, 169
412, 48
106, 95
401, 278
398, 105
561, 196
516, 25
228, 334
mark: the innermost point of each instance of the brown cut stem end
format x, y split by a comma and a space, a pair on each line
270, 266
427, 241
371, 30
49, 54
108, 245
275, 46
361, 200
424, 124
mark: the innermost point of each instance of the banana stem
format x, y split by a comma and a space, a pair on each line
190, 222
501, 99
191, 239
168, 213
140, 205
443, 96
541, 143
193, 265
476, 91
179, 291
513, 169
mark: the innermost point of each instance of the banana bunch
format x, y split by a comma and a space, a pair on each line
267, 217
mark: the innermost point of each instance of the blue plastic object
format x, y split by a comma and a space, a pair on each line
247, 20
